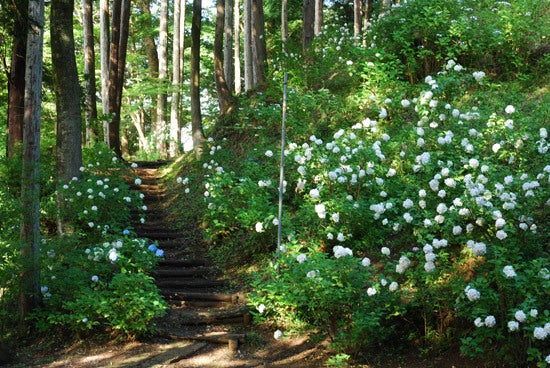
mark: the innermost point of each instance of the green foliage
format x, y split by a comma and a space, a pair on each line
390, 221
497, 37
101, 286
98, 275
98, 202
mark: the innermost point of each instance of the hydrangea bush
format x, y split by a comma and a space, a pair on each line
99, 275
430, 216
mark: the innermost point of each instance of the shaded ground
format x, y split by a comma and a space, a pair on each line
259, 350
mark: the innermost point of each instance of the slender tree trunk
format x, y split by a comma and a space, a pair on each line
318, 23
284, 24
237, 46
357, 18
151, 52
247, 29
105, 51
196, 117
138, 119
16, 81
30, 185
259, 53
228, 61
176, 83
117, 64
224, 93
308, 18
160, 127
113, 138
90, 102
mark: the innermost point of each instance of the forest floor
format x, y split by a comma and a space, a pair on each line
260, 350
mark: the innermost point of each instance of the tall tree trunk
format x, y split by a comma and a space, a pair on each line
228, 61
318, 22
149, 41
160, 126
30, 185
247, 45
90, 102
224, 93
67, 100
176, 83
259, 53
67, 90
357, 19
117, 63
308, 18
16, 81
151, 52
284, 24
237, 46
105, 52
196, 117
367, 11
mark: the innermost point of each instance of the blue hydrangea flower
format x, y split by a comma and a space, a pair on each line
152, 248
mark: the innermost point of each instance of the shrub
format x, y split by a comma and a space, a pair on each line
97, 276
443, 201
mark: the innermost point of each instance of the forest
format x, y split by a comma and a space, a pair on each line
373, 173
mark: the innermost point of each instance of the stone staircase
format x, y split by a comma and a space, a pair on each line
204, 307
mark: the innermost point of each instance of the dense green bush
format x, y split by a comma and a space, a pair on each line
430, 214
98, 274
498, 37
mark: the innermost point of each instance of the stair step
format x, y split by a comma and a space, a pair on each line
151, 165
174, 285
231, 298
199, 316
160, 234
196, 262
195, 272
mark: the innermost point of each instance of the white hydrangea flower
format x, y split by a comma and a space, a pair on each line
513, 326
509, 272
520, 316
472, 294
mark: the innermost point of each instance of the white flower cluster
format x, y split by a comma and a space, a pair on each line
340, 251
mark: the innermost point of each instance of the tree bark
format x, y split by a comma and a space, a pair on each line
237, 46
247, 30
149, 41
228, 61
284, 24
357, 19
196, 117
151, 52
90, 102
16, 80
160, 126
105, 51
176, 83
318, 22
259, 52
308, 18
30, 185
67, 90
224, 93
117, 63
